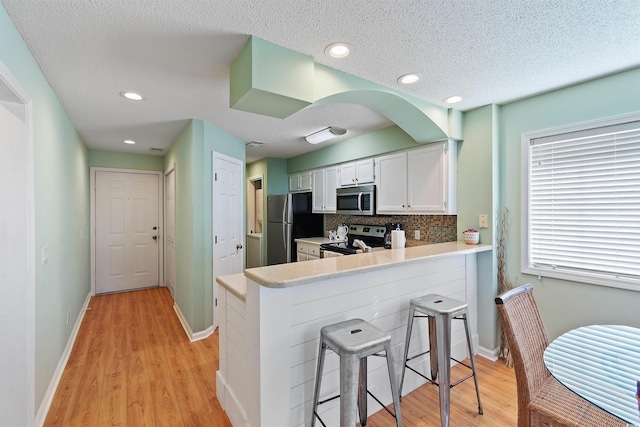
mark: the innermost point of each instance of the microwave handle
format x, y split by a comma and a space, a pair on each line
360, 201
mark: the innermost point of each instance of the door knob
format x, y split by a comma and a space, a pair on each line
238, 246
155, 237
155, 228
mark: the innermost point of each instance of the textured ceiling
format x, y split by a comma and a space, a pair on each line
177, 53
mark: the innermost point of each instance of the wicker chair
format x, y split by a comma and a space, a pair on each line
542, 400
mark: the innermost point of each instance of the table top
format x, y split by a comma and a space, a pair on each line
601, 363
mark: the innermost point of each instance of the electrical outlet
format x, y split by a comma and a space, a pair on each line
484, 221
68, 316
417, 234
45, 254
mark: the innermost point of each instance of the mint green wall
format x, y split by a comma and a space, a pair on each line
565, 305
109, 159
192, 155
62, 210
372, 144
478, 193
181, 155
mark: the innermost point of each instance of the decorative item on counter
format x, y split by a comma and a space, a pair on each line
471, 236
333, 235
398, 239
342, 231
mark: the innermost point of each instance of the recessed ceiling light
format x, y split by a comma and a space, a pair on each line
338, 50
409, 78
129, 141
453, 99
132, 96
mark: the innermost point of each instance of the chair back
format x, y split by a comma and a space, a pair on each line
527, 341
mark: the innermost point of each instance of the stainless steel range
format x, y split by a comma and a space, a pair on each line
361, 238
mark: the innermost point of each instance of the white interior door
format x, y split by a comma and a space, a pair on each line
17, 268
170, 231
228, 252
127, 231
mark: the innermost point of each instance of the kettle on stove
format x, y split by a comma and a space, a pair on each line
390, 226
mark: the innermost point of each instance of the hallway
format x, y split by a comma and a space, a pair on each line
132, 365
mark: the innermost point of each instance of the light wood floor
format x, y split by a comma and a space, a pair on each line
132, 365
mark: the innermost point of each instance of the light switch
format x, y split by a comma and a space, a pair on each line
45, 254
484, 221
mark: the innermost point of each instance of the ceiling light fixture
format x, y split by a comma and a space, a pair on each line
324, 135
129, 141
410, 78
453, 99
132, 96
338, 50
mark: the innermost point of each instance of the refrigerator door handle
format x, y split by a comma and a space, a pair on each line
360, 202
286, 235
285, 208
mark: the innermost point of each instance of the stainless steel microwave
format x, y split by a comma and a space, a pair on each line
358, 200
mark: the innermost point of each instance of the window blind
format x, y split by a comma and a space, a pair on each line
584, 201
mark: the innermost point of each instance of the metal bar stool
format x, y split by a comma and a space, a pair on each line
353, 341
440, 311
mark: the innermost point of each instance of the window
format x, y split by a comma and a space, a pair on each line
581, 203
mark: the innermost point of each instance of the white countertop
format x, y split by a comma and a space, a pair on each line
235, 283
301, 273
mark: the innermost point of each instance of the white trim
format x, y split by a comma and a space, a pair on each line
23, 96
197, 336
92, 227
488, 353
525, 220
62, 364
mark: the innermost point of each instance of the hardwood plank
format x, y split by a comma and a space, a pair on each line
113, 403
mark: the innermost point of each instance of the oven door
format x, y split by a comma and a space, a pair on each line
356, 200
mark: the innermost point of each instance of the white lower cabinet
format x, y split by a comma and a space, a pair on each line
307, 251
329, 254
419, 181
324, 186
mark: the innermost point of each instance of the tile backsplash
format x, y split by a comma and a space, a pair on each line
433, 228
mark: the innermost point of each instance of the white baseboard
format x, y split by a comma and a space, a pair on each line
200, 335
41, 416
489, 354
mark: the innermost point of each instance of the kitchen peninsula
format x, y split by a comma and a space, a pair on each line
270, 320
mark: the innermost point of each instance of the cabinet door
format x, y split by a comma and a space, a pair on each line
427, 179
294, 182
305, 181
318, 192
365, 171
391, 184
330, 184
348, 174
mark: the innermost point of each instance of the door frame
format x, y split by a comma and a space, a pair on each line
214, 224
172, 168
92, 185
26, 312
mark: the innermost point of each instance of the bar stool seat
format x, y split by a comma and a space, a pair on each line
440, 311
353, 341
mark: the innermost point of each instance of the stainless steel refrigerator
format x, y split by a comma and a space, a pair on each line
289, 217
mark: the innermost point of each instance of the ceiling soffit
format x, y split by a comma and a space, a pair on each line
265, 75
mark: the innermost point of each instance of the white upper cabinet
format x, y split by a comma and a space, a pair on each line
324, 190
300, 182
420, 181
391, 186
357, 173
